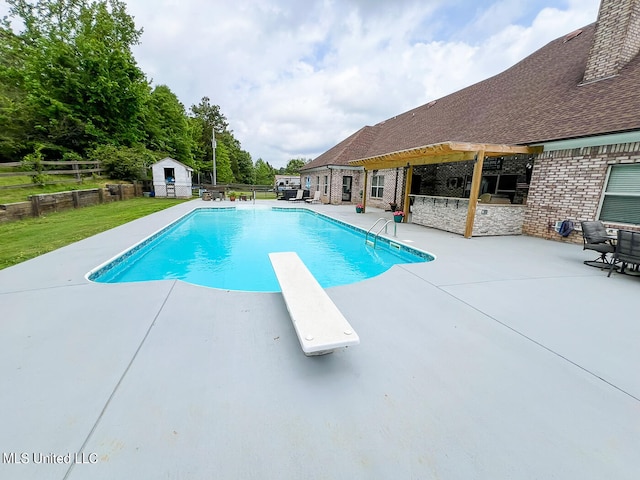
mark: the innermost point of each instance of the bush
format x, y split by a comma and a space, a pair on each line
124, 163
33, 163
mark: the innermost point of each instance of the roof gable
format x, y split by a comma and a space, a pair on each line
354, 146
169, 160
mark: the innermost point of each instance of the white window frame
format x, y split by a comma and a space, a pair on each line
326, 184
377, 186
606, 194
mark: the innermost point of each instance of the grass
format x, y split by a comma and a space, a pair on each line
29, 238
260, 195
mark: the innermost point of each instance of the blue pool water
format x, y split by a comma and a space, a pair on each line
228, 249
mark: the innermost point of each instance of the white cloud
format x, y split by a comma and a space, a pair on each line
294, 78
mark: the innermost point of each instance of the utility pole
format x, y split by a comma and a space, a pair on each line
213, 145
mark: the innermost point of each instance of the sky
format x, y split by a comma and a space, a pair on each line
296, 77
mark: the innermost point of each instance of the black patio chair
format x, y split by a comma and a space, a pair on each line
627, 251
595, 237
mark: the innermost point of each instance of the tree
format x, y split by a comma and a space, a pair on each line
246, 172
265, 173
223, 165
82, 85
294, 165
168, 128
228, 151
209, 119
14, 109
211, 115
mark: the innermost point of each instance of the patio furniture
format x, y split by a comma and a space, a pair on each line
298, 197
595, 237
320, 326
627, 251
315, 199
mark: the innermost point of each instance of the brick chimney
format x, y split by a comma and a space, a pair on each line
616, 40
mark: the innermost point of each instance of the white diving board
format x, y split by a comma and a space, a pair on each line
320, 326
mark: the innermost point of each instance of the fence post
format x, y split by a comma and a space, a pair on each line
76, 171
35, 205
120, 192
76, 199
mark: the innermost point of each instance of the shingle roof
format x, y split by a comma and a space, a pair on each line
354, 146
538, 99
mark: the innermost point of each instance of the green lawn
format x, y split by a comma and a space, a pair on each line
25, 239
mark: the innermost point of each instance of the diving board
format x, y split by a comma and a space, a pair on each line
320, 326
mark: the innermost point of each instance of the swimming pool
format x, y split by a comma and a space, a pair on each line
228, 248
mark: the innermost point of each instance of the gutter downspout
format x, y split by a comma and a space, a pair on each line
395, 190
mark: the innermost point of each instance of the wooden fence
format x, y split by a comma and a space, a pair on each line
65, 167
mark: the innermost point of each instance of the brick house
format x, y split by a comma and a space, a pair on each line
558, 134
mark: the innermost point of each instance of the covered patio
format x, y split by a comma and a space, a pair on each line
439, 153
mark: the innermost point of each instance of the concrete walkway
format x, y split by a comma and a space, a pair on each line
504, 358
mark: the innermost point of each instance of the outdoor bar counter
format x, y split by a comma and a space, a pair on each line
450, 214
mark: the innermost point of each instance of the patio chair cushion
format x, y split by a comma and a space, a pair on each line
600, 247
594, 232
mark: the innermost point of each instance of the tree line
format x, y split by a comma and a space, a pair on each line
70, 89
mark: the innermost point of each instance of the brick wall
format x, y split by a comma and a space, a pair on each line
336, 176
568, 184
616, 40
392, 177
334, 184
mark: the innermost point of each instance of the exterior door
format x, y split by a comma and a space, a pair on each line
347, 181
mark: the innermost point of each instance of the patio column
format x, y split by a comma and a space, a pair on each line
364, 191
473, 196
407, 189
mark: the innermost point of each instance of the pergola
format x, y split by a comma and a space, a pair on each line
445, 152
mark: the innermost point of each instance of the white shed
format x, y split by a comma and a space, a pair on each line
171, 178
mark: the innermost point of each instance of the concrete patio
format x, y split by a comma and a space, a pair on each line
504, 358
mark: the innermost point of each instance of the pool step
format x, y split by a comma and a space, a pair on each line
320, 326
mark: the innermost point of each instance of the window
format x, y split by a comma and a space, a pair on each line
377, 186
621, 200
318, 183
326, 184
169, 175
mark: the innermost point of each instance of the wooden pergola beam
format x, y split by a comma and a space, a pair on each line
377, 164
407, 190
440, 153
473, 195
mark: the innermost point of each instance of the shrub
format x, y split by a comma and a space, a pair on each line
124, 163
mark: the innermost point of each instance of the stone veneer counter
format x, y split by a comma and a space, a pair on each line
450, 214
